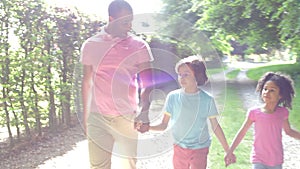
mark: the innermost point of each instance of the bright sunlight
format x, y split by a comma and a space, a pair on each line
99, 7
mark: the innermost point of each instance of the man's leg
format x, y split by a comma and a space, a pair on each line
100, 142
125, 141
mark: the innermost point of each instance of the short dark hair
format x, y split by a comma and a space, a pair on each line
285, 84
116, 6
197, 66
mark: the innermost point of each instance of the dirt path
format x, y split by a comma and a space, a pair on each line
68, 149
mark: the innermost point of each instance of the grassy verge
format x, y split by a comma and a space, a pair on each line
215, 70
231, 120
233, 74
294, 71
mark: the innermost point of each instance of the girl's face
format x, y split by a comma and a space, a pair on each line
186, 78
270, 93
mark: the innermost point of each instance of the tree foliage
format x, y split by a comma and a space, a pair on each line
39, 49
261, 25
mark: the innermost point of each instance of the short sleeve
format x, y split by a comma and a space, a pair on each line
251, 115
85, 54
144, 53
168, 105
213, 111
285, 113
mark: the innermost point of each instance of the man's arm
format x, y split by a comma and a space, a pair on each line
146, 79
86, 93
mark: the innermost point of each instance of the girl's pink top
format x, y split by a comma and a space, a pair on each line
267, 146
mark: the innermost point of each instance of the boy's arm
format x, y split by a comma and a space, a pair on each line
219, 133
163, 125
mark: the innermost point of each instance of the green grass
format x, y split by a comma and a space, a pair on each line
231, 120
294, 71
291, 69
215, 70
233, 74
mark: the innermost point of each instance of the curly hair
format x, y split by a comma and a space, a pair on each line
285, 84
197, 66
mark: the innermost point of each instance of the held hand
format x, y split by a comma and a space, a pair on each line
141, 127
141, 123
138, 124
230, 158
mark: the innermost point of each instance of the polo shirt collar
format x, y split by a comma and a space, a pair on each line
108, 37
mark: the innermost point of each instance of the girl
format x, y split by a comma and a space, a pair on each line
276, 91
189, 108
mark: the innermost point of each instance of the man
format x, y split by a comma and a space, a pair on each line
112, 60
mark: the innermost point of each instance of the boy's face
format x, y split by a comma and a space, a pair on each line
122, 23
270, 93
186, 77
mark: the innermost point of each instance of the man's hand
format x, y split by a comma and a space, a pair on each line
142, 123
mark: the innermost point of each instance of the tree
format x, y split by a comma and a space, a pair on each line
38, 73
261, 25
5, 12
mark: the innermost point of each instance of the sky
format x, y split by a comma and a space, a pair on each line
99, 7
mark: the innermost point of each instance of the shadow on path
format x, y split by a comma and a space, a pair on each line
50, 146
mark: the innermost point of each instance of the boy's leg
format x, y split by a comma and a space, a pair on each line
180, 158
199, 158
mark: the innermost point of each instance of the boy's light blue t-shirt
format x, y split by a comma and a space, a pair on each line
189, 114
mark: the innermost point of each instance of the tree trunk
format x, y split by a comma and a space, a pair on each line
11, 139
17, 121
66, 110
23, 107
38, 124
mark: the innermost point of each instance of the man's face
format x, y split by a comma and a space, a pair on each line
122, 23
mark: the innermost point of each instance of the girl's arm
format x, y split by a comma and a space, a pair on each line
219, 133
236, 141
163, 125
289, 131
240, 135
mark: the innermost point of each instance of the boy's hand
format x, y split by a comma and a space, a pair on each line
229, 159
142, 123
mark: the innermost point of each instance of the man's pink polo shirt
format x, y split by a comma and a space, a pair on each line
267, 147
115, 64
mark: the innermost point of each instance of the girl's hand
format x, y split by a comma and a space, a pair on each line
229, 159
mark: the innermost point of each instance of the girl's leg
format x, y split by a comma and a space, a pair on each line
258, 166
262, 166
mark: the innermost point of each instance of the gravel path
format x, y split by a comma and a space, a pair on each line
69, 149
